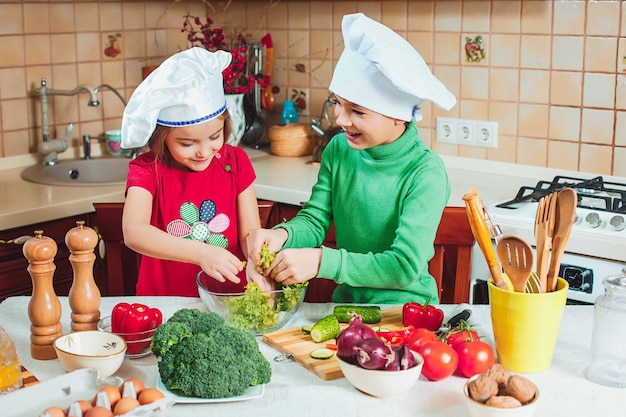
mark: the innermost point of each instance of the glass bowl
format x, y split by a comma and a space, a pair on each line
138, 343
259, 312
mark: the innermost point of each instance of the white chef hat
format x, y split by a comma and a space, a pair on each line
186, 89
381, 71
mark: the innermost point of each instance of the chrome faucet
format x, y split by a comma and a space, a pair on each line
50, 149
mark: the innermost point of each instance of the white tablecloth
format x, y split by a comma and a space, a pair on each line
294, 391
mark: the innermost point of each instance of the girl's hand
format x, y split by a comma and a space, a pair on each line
274, 239
220, 264
292, 266
264, 283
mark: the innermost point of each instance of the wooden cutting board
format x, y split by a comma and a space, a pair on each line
293, 342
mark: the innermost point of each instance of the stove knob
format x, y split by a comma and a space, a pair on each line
593, 219
617, 223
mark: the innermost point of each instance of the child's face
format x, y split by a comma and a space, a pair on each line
193, 147
365, 128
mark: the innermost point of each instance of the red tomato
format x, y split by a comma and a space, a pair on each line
474, 357
420, 338
440, 360
456, 338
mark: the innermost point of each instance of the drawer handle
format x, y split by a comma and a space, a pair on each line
17, 241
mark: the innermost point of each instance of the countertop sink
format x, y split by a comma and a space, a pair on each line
80, 172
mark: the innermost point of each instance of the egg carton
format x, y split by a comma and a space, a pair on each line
63, 390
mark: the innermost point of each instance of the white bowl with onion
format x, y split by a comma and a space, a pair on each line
382, 383
374, 367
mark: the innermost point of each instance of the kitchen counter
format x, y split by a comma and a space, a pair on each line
281, 179
564, 390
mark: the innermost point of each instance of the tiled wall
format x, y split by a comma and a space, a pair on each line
553, 76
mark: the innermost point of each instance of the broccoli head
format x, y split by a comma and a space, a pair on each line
213, 361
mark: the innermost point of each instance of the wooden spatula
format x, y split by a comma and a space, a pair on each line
516, 256
566, 203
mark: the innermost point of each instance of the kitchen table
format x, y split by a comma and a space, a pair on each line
294, 390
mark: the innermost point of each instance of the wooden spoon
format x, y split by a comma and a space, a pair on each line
566, 203
516, 256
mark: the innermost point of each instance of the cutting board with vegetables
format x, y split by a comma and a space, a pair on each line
299, 345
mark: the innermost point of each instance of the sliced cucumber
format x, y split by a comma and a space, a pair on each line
325, 329
381, 329
322, 353
306, 329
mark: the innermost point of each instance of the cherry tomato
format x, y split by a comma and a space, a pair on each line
474, 357
455, 338
440, 360
420, 337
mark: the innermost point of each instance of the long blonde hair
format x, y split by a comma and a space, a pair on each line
156, 143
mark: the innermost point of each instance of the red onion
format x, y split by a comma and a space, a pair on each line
350, 337
395, 365
408, 360
373, 353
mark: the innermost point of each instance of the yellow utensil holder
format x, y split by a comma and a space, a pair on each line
526, 326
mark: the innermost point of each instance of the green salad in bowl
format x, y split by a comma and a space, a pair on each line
254, 310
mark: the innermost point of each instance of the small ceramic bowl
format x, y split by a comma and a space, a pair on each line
138, 344
257, 313
478, 409
381, 383
96, 349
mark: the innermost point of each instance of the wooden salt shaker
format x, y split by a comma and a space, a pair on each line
44, 307
84, 295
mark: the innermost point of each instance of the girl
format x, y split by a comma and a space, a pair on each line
190, 200
382, 187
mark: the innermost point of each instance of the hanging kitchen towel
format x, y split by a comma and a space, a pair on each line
381, 71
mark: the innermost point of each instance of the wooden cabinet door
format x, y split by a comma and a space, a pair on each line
14, 276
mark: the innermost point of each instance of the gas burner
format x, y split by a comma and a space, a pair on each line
594, 193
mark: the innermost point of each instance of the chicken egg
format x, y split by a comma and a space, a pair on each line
53, 412
150, 395
98, 411
137, 383
78, 408
124, 405
112, 393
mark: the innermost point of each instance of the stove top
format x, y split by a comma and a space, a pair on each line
594, 193
599, 228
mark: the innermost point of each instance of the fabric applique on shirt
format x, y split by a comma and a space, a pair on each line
202, 224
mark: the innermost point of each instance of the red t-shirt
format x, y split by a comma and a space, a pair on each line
192, 205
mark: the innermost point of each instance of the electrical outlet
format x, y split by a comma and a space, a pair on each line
467, 132
487, 134
446, 130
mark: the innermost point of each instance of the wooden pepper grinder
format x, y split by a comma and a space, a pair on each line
84, 295
44, 307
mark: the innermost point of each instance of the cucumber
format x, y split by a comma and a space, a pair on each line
322, 353
306, 329
325, 329
369, 314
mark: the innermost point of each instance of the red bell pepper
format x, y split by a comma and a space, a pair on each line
424, 315
135, 322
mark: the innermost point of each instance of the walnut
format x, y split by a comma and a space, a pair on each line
519, 387
503, 401
499, 373
482, 388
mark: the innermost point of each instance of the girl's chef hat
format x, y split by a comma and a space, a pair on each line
381, 71
186, 89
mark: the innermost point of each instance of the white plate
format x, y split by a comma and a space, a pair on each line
249, 394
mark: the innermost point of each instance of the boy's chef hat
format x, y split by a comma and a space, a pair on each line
381, 71
186, 89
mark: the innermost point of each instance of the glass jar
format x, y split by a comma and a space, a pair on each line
289, 113
608, 341
10, 369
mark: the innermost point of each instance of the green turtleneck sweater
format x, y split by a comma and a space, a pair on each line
386, 203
